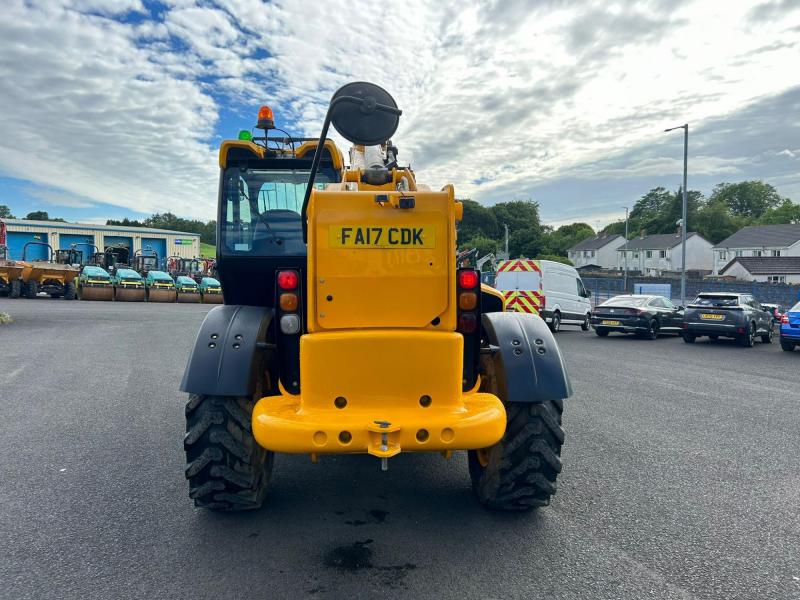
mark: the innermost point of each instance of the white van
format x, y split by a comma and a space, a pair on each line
550, 289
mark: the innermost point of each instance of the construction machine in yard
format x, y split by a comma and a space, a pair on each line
144, 261
10, 270
53, 278
348, 328
159, 287
94, 283
128, 285
210, 290
187, 289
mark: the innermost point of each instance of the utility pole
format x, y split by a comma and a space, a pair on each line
685, 128
505, 225
625, 276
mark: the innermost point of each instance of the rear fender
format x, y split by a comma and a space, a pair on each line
527, 361
224, 361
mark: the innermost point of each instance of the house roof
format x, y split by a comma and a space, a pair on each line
661, 241
754, 236
596, 242
767, 265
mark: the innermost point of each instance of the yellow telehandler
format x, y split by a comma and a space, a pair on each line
347, 326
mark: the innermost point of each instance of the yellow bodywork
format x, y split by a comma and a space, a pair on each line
47, 272
10, 270
381, 364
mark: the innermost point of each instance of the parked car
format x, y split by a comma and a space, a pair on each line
790, 328
551, 289
775, 309
643, 315
721, 314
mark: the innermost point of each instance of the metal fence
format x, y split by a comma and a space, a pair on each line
603, 288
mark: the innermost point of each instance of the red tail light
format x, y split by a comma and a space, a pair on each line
287, 280
784, 319
468, 279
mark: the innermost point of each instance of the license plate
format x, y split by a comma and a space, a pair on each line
612, 323
711, 317
358, 236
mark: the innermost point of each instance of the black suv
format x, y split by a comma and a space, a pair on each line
720, 314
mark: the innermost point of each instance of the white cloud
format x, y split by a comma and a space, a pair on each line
505, 93
59, 198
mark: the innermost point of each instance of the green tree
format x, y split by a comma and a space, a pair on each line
518, 215
750, 199
485, 245
786, 212
556, 258
565, 237
715, 222
477, 220
5, 212
525, 243
41, 215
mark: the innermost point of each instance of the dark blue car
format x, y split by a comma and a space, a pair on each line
790, 328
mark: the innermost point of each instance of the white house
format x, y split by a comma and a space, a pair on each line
758, 241
773, 269
600, 251
655, 254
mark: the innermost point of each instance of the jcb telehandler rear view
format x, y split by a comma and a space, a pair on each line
348, 328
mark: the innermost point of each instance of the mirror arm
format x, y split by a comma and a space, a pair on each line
321, 148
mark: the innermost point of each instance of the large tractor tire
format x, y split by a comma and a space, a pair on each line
16, 289
520, 471
31, 289
227, 470
69, 291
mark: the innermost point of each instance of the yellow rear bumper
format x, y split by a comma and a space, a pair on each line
379, 392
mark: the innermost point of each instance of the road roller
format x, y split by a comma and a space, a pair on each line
210, 291
187, 289
94, 283
159, 287
128, 286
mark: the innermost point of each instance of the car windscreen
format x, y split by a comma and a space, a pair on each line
625, 301
260, 213
795, 308
717, 301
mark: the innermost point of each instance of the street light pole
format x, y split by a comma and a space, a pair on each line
625, 276
685, 128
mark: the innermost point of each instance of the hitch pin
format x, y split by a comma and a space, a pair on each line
384, 443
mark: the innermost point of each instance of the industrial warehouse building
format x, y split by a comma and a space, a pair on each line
86, 238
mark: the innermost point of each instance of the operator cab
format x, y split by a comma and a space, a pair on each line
263, 182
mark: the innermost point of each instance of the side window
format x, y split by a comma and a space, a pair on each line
668, 304
581, 290
657, 302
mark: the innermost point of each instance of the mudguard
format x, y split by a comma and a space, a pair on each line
527, 361
223, 360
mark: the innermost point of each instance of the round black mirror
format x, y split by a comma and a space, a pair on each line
364, 113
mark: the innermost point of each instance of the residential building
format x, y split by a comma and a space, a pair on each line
653, 255
772, 269
599, 251
758, 241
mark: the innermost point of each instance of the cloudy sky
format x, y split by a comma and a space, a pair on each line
112, 108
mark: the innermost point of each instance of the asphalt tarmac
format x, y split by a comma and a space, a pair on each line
680, 480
